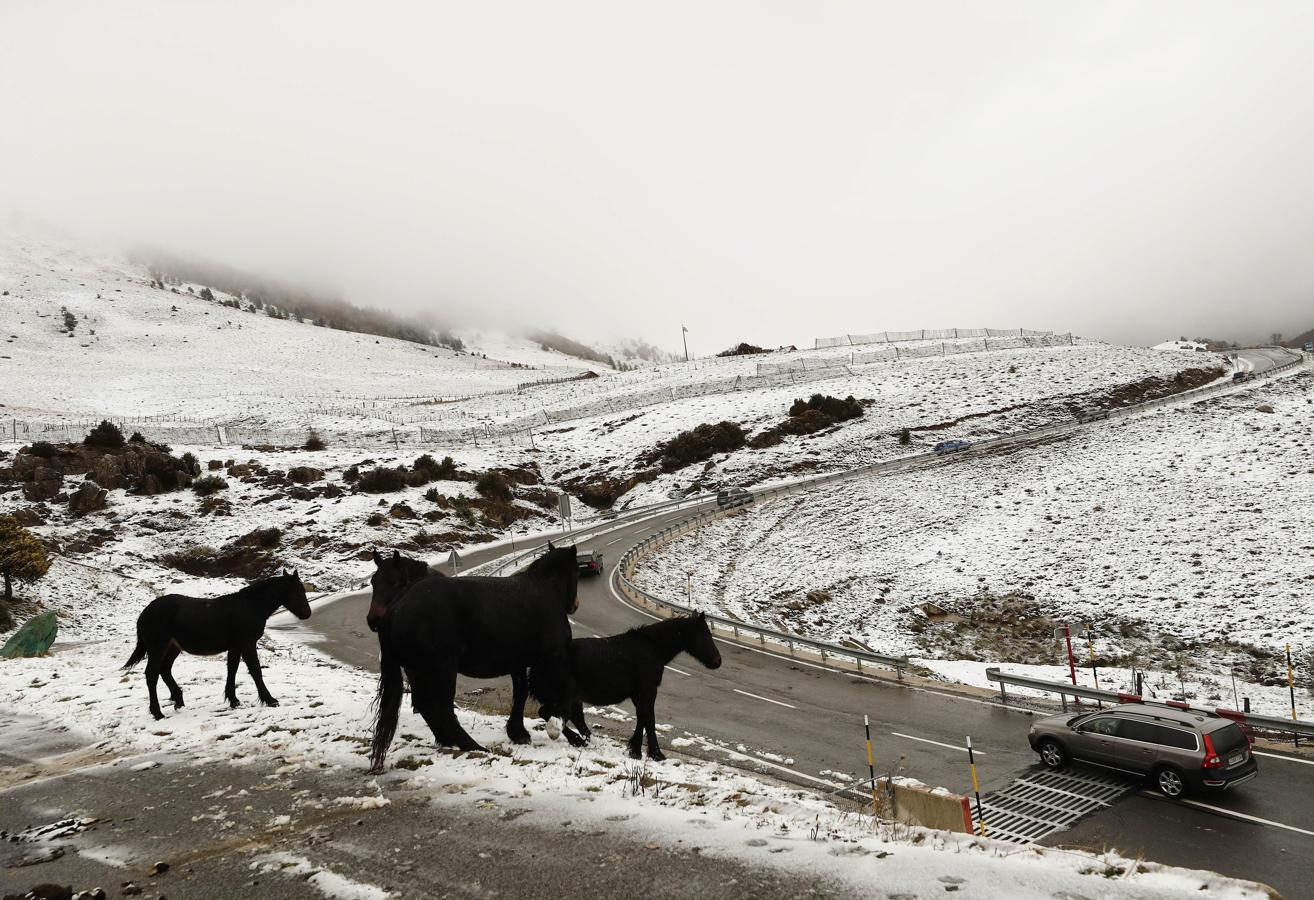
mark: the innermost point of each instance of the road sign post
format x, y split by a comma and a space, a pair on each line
871, 764
1065, 632
1291, 686
563, 507
454, 560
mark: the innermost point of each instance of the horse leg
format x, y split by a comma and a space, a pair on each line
577, 717
166, 672
636, 739
649, 720
515, 723
253, 666
444, 710
152, 676
230, 689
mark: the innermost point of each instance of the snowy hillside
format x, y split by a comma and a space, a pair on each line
138, 350
1179, 530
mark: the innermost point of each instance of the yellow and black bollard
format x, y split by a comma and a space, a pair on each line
1291, 686
976, 788
871, 764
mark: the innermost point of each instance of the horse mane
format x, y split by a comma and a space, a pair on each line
668, 633
260, 586
555, 562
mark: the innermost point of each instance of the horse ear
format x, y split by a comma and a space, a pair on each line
550, 547
378, 561
396, 554
702, 615
294, 574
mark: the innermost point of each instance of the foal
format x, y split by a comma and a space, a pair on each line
629, 666
209, 625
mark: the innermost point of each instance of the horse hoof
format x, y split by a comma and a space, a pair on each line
157, 714
233, 704
522, 738
576, 740
657, 756
635, 753
270, 702
177, 704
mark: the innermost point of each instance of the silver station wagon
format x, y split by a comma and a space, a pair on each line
1180, 751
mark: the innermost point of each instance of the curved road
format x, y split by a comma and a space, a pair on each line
797, 720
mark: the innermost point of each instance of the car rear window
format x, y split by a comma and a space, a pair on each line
1228, 738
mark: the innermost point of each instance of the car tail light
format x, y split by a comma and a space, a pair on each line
1212, 760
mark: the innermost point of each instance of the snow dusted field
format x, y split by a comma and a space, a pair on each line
1184, 531
323, 725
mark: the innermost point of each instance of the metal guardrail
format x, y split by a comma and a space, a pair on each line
740, 631
1066, 689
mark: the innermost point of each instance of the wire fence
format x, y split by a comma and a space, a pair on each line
925, 334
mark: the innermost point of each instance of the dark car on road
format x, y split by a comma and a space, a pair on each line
1180, 751
735, 496
951, 446
590, 562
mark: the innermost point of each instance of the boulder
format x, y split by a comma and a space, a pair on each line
1264, 408
28, 516
108, 472
88, 498
401, 511
41, 489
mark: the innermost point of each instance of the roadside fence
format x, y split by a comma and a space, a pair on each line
925, 334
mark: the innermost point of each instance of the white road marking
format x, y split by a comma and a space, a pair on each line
708, 745
1239, 815
1305, 762
617, 541
678, 671
937, 743
767, 699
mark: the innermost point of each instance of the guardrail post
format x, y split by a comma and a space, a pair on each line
898, 673
1003, 694
791, 648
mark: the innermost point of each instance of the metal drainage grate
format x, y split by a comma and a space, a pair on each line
1042, 802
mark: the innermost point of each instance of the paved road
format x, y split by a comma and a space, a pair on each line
798, 721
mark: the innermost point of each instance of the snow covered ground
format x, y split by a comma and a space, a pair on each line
1177, 534
323, 726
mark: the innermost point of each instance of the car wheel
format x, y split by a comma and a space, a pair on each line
1052, 754
1170, 783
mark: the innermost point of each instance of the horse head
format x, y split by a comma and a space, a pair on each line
700, 643
391, 576
294, 597
560, 564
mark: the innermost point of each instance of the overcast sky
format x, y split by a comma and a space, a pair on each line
760, 171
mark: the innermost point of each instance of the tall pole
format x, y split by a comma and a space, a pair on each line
1291, 686
684, 336
871, 764
1072, 660
976, 787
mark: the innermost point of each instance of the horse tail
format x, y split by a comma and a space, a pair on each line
387, 707
139, 652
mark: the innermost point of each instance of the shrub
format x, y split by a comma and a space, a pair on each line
43, 449
209, 484
192, 463
494, 485
314, 441
464, 510
375, 519
383, 479
240, 559
905, 437
70, 320
423, 538
137, 438
432, 495
351, 475
743, 349
699, 444
22, 557
106, 435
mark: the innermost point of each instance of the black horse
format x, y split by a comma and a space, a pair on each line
392, 575
209, 625
481, 627
629, 666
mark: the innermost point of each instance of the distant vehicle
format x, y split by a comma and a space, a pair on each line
1092, 415
1181, 751
1241, 376
608, 514
1309, 346
676, 494
590, 562
731, 497
951, 446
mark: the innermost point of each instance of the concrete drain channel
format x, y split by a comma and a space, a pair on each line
1042, 802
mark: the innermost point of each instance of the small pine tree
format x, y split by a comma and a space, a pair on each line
207, 294
905, 437
22, 558
105, 435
